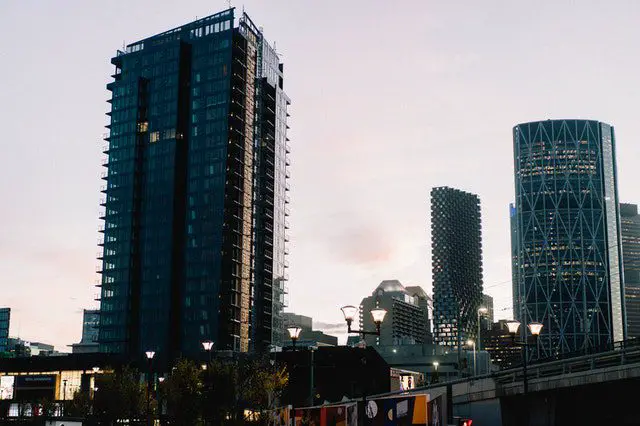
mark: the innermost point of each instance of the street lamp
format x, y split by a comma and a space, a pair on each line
535, 328
208, 346
475, 368
377, 314
294, 334
149, 355
481, 310
435, 378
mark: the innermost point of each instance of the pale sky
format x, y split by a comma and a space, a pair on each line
389, 98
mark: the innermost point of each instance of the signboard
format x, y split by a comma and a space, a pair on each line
31, 382
406, 410
33, 388
6, 387
334, 415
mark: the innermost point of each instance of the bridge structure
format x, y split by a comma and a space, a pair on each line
596, 389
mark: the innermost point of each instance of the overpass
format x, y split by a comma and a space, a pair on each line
598, 389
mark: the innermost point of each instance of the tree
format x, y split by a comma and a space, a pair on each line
120, 396
182, 391
80, 405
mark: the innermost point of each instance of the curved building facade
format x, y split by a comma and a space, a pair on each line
566, 235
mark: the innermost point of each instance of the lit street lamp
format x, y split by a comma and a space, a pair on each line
294, 334
149, 355
207, 345
535, 328
377, 314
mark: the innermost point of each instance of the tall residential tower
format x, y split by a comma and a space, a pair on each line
456, 257
567, 272
195, 192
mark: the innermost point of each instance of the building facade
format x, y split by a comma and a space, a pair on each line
456, 256
90, 326
407, 318
630, 232
499, 344
486, 318
5, 321
567, 271
195, 193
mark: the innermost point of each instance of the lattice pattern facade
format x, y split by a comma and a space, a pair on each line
456, 244
566, 230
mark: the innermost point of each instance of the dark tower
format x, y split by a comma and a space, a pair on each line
567, 256
630, 231
194, 207
456, 251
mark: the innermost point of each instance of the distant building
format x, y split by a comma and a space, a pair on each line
302, 321
308, 336
499, 344
19, 348
89, 341
407, 319
425, 302
630, 233
456, 247
486, 319
5, 319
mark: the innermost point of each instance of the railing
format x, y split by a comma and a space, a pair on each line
620, 353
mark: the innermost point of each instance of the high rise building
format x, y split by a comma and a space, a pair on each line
456, 257
630, 232
499, 344
5, 320
486, 318
90, 325
567, 250
407, 318
195, 193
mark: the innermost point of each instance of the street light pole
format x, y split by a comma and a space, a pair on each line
475, 368
535, 328
149, 355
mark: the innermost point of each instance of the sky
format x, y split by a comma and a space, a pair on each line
389, 99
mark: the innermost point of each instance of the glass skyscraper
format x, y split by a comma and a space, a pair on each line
456, 257
630, 231
195, 192
567, 235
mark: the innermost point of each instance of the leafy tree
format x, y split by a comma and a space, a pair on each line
120, 396
182, 391
80, 405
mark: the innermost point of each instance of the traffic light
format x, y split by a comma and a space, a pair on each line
465, 422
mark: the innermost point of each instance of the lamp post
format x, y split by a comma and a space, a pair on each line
377, 314
436, 377
475, 368
149, 355
535, 328
481, 310
207, 345
294, 334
